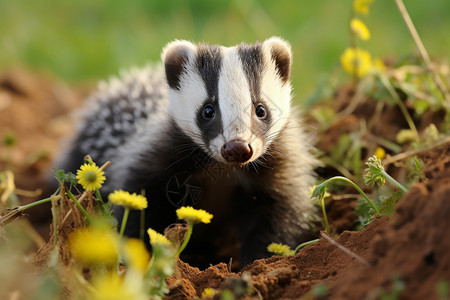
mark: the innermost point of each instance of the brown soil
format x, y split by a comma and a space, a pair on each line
409, 252
411, 249
36, 110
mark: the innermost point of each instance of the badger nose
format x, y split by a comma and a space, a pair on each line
237, 151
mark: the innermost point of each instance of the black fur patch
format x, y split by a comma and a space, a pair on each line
282, 59
174, 65
209, 64
252, 61
154, 170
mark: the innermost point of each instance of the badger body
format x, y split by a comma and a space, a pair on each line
213, 128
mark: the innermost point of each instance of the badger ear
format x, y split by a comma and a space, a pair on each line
176, 55
280, 53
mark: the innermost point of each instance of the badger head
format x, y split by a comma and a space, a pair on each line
231, 101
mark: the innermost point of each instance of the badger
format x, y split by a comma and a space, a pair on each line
213, 128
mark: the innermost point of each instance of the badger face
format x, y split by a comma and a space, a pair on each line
232, 102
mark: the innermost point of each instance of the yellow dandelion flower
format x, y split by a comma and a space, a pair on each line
380, 153
158, 238
90, 177
356, 61
362, 6
137, 255
280, 249
113, 287
360, 29
192, 215
93, 246
125, 199
208, 292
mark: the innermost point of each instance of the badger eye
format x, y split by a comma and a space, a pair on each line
208, 112
260, 111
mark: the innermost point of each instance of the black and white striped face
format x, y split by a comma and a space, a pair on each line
232, 101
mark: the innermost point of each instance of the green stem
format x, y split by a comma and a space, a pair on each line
148, 272
98, 196
325, 218
101, 204
124, 221
400, 104
186, 239
77, 203
352, 41
305, 244
32, 204
395, 182
355, 186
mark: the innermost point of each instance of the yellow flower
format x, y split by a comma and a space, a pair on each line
94, 245
158, 238
208, 292
137, 255
362, 6
360, 29
356, 61
431, 133
125, 199
280, 249
90, 177
192, 215
379, 66
380, 153
405, 136
112, 287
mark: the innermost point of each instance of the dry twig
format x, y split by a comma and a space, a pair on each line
346, 250
406, 154
423, 52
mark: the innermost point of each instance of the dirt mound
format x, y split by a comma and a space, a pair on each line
407, 255
35, 110
35, 113
289, 277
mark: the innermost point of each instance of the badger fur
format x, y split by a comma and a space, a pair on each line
213, 128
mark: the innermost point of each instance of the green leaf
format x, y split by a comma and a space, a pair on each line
364, 212
387, 207
9, 139
65, 177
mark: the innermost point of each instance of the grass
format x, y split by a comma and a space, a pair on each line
88, 40
366, 72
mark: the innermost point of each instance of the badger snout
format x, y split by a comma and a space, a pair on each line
237, 151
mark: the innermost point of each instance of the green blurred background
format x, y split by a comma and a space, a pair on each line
86, 40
